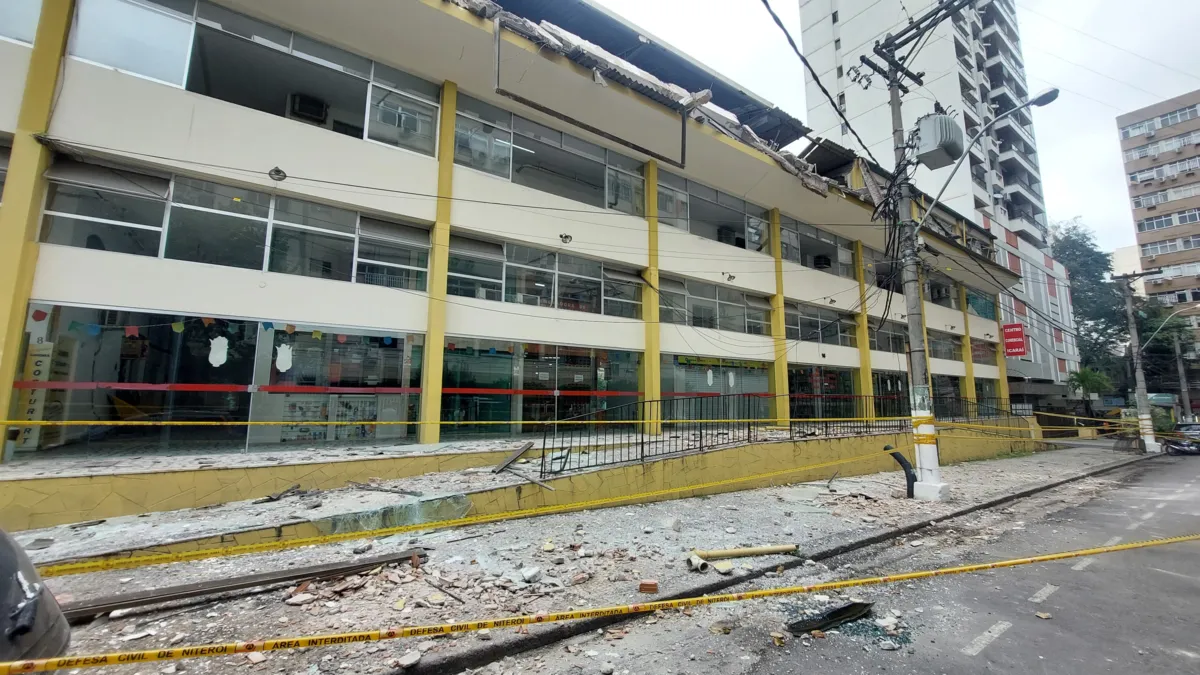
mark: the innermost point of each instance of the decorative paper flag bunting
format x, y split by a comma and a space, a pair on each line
131, 331
206, 321
39, 315
387, 340
74, 325
341, 338
93, 329
289, 328
316, 334
267, 325
177, 326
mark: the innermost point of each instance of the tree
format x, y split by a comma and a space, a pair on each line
1099, 307
1088, 381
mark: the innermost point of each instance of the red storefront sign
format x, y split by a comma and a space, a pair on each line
1014, 339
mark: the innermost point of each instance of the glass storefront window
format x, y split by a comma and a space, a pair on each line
817, 392
891, 394
516, 383
700, 387
119, 365
314, 375
108, 365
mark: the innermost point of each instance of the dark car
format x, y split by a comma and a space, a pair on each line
31, 624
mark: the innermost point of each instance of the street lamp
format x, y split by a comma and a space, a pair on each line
1162, 326
1041, 99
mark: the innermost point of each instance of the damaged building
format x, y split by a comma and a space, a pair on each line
459, 218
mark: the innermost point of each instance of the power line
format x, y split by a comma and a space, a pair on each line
1103, 41
816, 78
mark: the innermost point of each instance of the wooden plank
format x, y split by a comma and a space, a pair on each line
516, 454
86, 609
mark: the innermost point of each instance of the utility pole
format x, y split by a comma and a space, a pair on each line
1145, 423
1183, 381
929, 484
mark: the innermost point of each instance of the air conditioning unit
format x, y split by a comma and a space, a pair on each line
305, 108
1179, 149
528, 299
1157, 282
1150, 134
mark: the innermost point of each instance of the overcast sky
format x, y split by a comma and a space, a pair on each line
1077, 137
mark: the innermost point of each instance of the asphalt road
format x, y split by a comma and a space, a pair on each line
1127, 612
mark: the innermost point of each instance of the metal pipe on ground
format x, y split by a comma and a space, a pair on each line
722, 554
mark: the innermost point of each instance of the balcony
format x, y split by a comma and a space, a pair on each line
1004, 96
960, 25
1005, 66
1001, 40
1025, 225
1015, 155
969, 96
1023, 193
1008, 128
965, 66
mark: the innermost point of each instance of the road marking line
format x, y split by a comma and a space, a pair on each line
1161, 505
1082, 564
977, 645
1133, 526
1148, 515
1176, 574
1046, 591
1112, 541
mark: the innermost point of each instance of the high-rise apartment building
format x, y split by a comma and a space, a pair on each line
973, 66
430, 214
1161, 148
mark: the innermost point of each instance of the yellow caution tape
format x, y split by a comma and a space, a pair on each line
135, 561
304, 642
335, 423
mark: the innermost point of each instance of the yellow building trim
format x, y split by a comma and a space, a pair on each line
25, 187
968, 360
651, 370
439, 263
778, 375
865, 385
1001, 361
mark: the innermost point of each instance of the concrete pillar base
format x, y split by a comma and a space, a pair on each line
1153, 447
931, 492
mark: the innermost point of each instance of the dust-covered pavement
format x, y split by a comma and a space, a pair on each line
1131, 611
577, 560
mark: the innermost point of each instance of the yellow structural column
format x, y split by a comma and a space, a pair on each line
429, 431
1001, 361
778, 375
24, 188
865, 386
651, 370
968, 353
